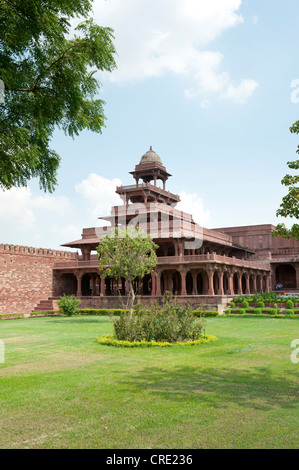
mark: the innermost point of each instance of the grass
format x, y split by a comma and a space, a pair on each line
59, 388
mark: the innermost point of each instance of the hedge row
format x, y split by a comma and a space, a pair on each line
109, 340
272, 312
113, 312
11, 316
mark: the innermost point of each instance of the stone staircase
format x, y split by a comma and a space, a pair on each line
47, 304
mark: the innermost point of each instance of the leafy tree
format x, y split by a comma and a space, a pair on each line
290, 203
127, 253
49, 82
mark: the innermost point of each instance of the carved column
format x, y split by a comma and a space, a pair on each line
194, 284
103, 287
210, 273
247, 291
153, 291
230, 283
240, 292
183, 281
79, 287
267, 283
254, 284
220, 290
158, 283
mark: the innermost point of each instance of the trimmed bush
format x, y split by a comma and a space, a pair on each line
289, 312
170, 323
45, 313
69, 304
232, 304
110, 340
289, 304
102, 311
260, 304
245, 304
11, 316
205, 313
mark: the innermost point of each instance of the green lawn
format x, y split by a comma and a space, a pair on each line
61, 389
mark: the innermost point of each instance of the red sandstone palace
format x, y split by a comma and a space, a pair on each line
197, 264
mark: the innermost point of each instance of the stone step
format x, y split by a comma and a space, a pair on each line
45, 304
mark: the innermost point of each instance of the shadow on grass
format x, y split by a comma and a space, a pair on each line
256, 388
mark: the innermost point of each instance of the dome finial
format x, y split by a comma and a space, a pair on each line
150, 157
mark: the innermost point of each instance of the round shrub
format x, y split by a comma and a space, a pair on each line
242, 311
245, 304
289, 312
232, 304
289, 304
260, 304
69, 304
257, 311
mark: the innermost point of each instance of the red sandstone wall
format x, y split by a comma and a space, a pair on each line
259, 238
26, 276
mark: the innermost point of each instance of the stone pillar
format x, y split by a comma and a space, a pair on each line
247, 291
231, 284
183, 283
210, 274
194, 284
297, 276
153, 293
79, 287
267, 283
220, 290
103, 286
240, 284
158, 284
254, 284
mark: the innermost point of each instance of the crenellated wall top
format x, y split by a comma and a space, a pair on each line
30, 250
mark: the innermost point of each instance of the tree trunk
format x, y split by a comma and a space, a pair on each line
132, 298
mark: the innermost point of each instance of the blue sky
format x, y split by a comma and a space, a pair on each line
208, 85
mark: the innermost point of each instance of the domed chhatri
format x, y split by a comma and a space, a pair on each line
150, 157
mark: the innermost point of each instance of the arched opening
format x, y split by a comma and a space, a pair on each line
177, 283
285, 274
109, 286
216, 282
243, 284
86, 285
202, 283
146, 284
236, 284
189, 283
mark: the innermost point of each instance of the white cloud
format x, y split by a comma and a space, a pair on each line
193, 204
26, 219
241, 93
99, 193
170, 36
